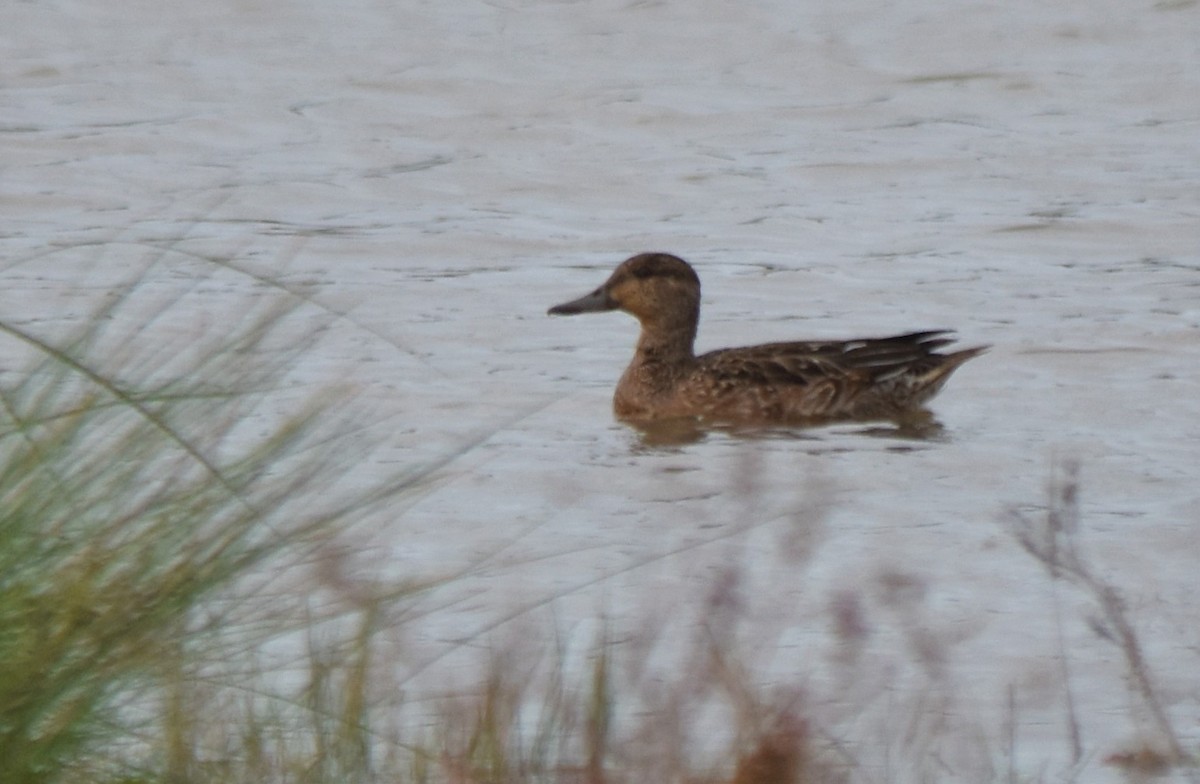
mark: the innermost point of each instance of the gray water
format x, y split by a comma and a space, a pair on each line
438, 174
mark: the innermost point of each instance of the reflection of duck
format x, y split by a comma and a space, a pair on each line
810, 381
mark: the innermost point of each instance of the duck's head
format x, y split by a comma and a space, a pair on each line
657, 288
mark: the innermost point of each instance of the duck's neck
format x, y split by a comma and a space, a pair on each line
670, 343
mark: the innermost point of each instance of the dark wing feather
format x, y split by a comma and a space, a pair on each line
805, 362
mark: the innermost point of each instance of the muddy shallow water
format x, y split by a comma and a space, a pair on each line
437, 175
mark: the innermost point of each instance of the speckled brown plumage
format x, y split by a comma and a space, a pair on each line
806, 381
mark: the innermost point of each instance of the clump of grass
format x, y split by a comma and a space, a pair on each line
227, 724
1053, 540
141, 477
571, 725
674, 700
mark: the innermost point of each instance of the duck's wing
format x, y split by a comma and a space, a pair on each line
801, 363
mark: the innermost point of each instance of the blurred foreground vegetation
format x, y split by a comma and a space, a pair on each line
171, 609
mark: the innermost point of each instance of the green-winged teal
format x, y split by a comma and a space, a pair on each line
807, 381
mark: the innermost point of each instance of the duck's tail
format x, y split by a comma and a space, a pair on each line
926, 383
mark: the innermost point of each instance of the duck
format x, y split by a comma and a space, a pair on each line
803, 382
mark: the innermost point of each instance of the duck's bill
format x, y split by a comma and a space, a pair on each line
595, 302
